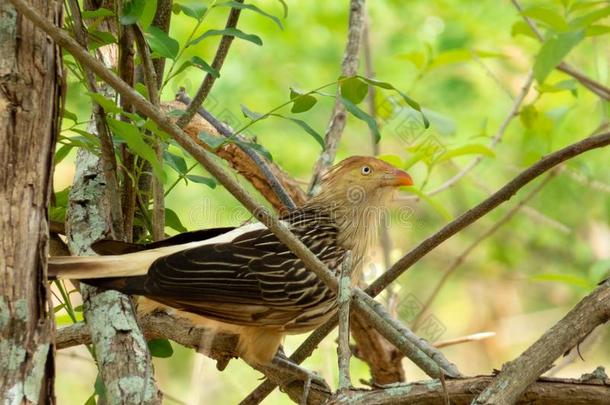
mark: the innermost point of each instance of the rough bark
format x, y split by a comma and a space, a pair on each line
120, 348
462, 391
28, 129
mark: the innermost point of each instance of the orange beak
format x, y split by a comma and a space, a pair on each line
401, 178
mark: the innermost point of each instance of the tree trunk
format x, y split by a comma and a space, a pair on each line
28, 127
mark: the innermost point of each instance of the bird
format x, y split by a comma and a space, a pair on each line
243, 280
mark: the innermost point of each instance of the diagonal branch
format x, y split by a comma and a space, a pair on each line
284, 199
517, 375
208, 81
349, 67
489, 232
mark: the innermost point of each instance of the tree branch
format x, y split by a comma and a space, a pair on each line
349, 67
545, 391
208, 81
495, 140
457, 262
595, 87
516, 375
265, 175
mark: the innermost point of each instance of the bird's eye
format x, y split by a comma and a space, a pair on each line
366, 170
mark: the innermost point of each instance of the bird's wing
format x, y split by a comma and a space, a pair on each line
115, 247
255, 279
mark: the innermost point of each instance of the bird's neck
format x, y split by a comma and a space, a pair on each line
357, 225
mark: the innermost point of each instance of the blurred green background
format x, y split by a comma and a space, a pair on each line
464, 62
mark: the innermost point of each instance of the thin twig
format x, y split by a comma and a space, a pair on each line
343, 299
457, 262
151, 82
497, 138
475, 337
349, 67
226, 131
208, 81
597, 88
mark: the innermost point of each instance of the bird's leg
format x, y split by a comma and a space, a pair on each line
281, 363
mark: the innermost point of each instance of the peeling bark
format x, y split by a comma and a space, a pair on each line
121, 351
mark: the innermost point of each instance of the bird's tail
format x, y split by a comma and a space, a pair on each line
87, 267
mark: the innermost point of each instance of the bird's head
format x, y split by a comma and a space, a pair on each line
355, 192
362, 181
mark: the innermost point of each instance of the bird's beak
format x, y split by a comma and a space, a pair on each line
399, 178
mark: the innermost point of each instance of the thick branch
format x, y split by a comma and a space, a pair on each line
546, 391
516, 375
349, 67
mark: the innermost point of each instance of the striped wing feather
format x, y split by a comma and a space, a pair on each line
253, 280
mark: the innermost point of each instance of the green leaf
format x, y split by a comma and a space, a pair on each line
358, 113
161, 43
160, 348
257, 147
595, 30
196, 11
132, 10
91, 400
472, 149
433, 203
148, 14
176, 162
108, 105
548, 17
412, 103
353, 89
100, 12
135, 141
58, 308
62, 153
68, 115
306, 127
553, 51
301, 102
211, 183
173, 221
201, 64
212, 141
232, 32
586, 20
100, 388
568, 279
252, 7
563, 85
100, 38
251, 114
